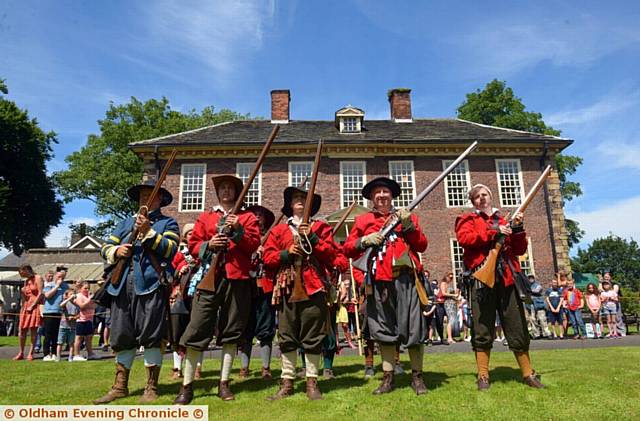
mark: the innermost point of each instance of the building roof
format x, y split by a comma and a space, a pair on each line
75, 271
12, 261
252, 132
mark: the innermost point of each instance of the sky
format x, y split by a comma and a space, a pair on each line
576, 62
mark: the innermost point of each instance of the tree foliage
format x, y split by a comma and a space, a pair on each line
28, 203
614, 254
104, 168
497, 105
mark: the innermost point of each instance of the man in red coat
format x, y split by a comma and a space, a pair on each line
232, 297
477, 233
301, 324
394, 315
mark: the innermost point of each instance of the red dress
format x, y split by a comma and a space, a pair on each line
30, 319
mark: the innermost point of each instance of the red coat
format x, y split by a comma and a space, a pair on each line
340, 262
476, 234
414, 241
242, 245
276, 253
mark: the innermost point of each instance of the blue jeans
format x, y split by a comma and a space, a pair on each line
575, 317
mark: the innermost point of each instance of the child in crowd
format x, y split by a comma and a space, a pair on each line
609, 299
67, 332
465, 316
84, 326
574, 304
555, 302
594, 304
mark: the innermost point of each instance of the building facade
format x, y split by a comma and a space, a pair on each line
413, 151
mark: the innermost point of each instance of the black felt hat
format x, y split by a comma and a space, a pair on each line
269, 217
381, 181
288, 194
134, 192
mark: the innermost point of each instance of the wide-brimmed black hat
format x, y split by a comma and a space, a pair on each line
288, 194
134, 192
269, 217
219, 179
381, 181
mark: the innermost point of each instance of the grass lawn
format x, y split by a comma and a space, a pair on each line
588, 383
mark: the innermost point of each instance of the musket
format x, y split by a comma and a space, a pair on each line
277, 221
486, 271
208, 282
122, 264
362, 263
344, 217
298, 293
355, 295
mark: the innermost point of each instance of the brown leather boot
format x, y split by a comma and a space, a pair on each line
185, 396
266, 373
150, 393
120, 387
387, 384
286, 390
533, 381
417, 382
313, 392
175, 374
244, 373
483, 383
198, 373
224, 392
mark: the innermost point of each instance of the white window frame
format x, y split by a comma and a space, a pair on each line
452, 246
520, 181
530, 257
465, 163
290, 172
361, 200
357, 126
413, 182
204, 186
250, 166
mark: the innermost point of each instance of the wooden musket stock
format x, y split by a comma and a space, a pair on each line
208, 282
486, 271
121, 264
298, 293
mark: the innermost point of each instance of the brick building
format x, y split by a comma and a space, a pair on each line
410, 150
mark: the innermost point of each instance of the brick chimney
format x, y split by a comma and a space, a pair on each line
400, 102
280, 99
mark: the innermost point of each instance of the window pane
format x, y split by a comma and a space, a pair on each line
456, 254
457, 184
509, 182
349, 124
352, 183
300, 170
243, 172
402, 173
192, 187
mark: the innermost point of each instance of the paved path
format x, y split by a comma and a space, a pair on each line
8, 352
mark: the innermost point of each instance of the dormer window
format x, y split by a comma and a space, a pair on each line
349, 120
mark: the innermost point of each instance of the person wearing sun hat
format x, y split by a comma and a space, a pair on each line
301, 324
393, 312
139, 298
232, 298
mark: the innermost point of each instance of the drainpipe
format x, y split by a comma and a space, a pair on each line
547, 205
157, 161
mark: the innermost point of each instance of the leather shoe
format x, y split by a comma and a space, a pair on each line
224, 392
483, 383
533, 381
185, 396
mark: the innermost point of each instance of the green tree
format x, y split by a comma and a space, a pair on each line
614, 254
103, 169
28, 203
497, 105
